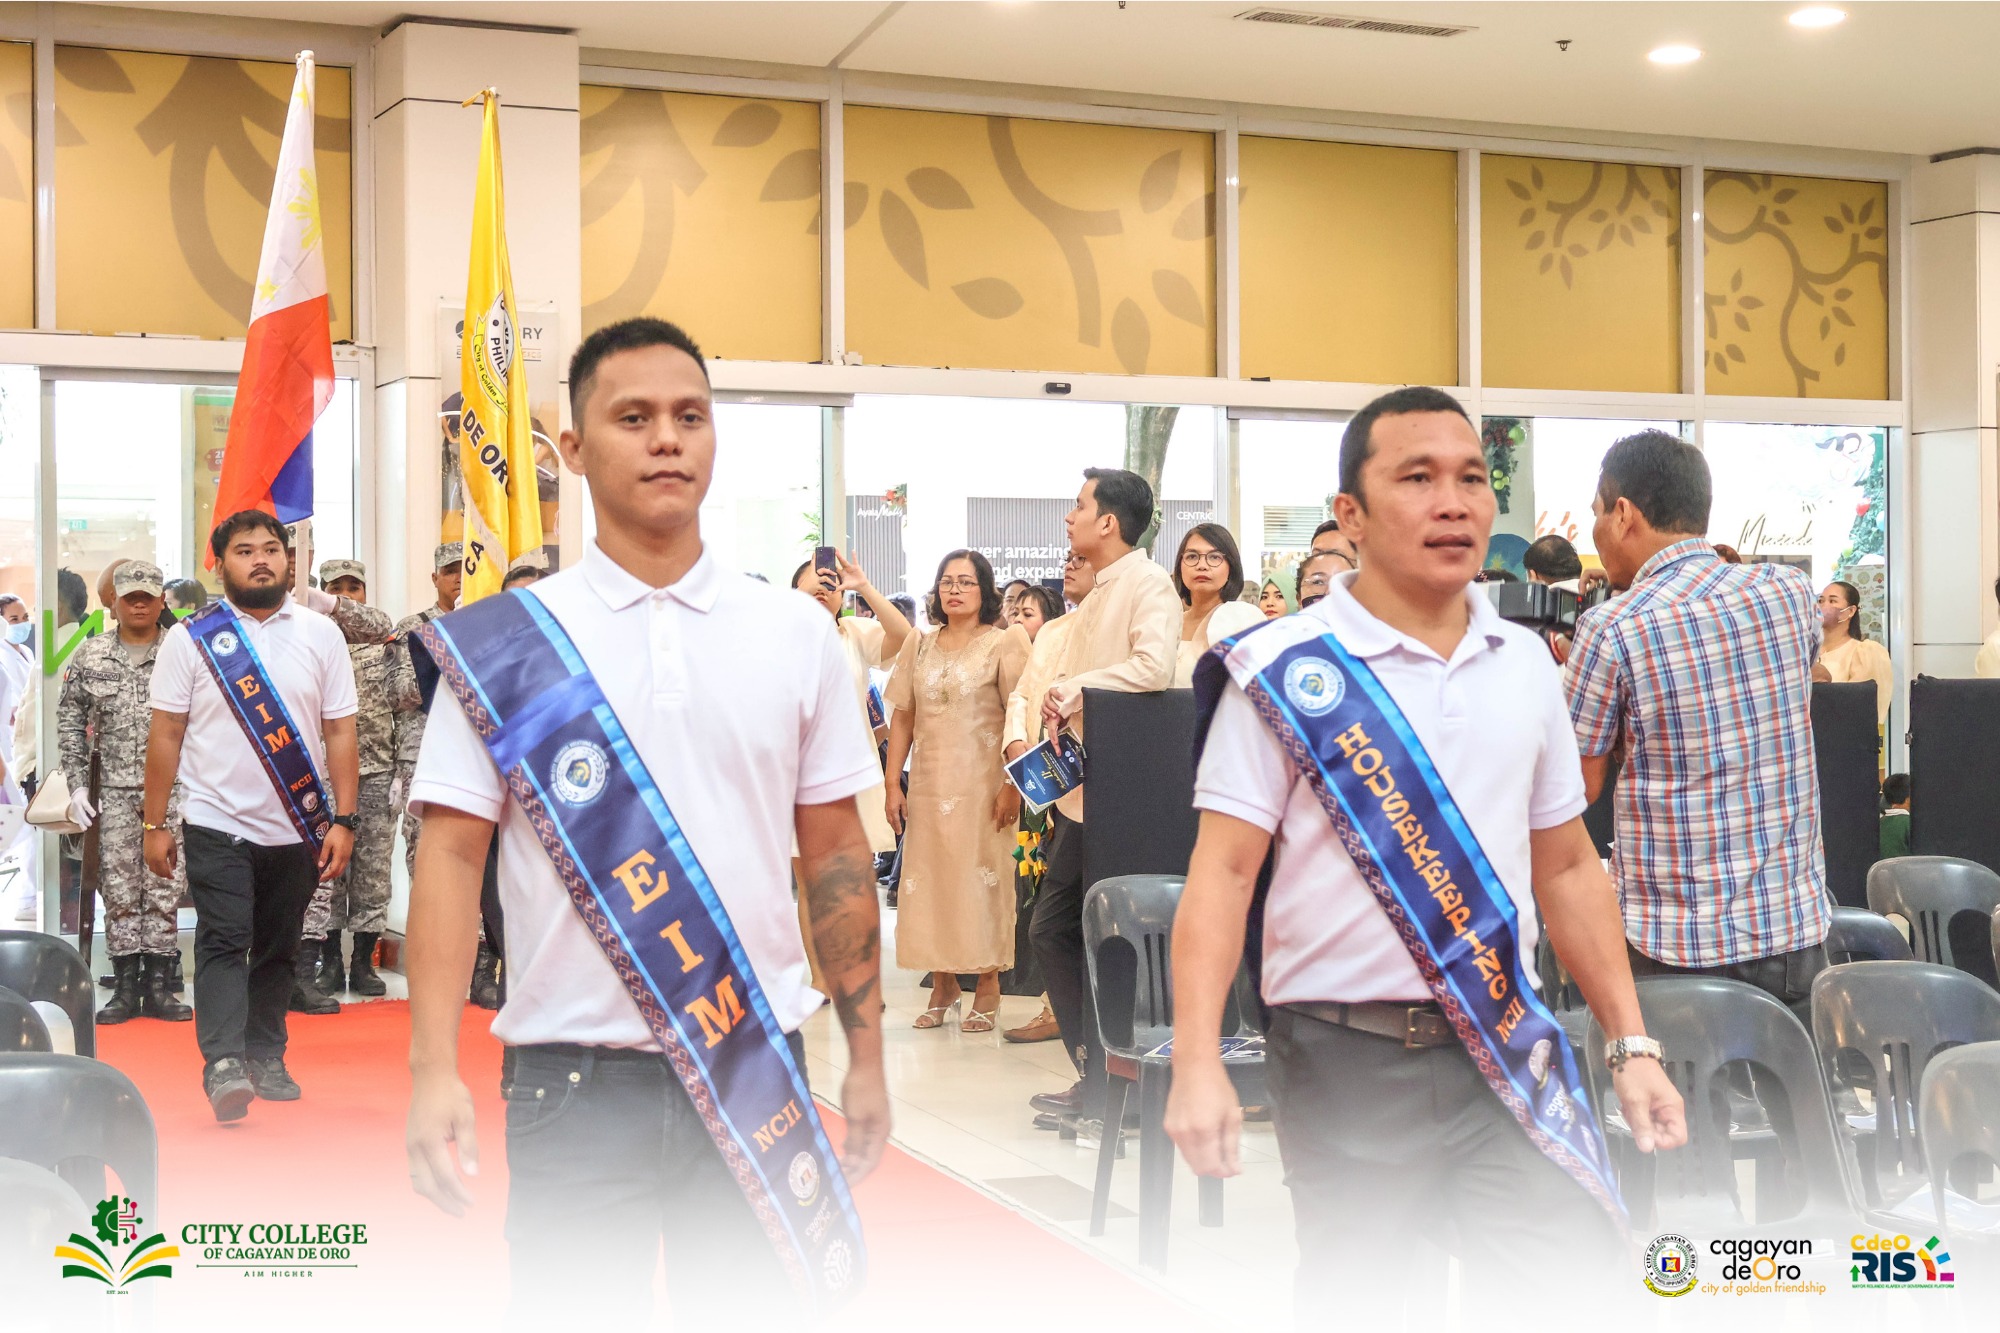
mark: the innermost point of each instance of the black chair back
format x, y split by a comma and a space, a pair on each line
76, 1116
1859, 936
47, 968
21, 1028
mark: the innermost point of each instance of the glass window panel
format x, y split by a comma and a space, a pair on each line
705, 211
1551, 466
1287, 475
17, 171
1349, 260
188, 144
1797, 276
1009, 244
1579, 274
1011, 472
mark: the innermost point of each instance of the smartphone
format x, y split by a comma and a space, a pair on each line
823, 560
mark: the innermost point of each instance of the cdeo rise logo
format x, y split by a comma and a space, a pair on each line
117, 1223
1893, 1263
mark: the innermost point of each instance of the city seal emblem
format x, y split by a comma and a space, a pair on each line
1671, 1261
1314, 686
224, 643
579, 773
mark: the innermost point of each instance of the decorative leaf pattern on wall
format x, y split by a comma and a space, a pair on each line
1615, 204
1797, 299
17, 217
1036, 230
705, 210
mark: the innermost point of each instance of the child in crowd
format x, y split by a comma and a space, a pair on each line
1896, 815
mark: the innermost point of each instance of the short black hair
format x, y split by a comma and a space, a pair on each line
72, 596
1012, 584
1553, 558
186, 593
1356, 444
525, 574
1126, 497
1048, 599
903, 602
624, 336
1331, 525
1664, 477
989, 596
1496, 575
245, 520
1896, 789
1219, 537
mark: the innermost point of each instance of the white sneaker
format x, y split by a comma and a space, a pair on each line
27, 908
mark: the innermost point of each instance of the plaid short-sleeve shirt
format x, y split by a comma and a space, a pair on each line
1705, 669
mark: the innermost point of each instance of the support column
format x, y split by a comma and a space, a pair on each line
426, 166
1954, 469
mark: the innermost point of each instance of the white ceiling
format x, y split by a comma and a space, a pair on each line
1916, 77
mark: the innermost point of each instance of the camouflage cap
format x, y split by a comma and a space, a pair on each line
138, 576
329, 570
449, 554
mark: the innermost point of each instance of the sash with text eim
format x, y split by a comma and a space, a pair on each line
1394, 816
642, 893
259, 709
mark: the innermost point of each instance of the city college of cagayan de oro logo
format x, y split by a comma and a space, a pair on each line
1894, 1263
117, 1223
1671, 1265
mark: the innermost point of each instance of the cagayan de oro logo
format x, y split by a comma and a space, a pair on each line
117, 1224
1671, 1265
1895, 1263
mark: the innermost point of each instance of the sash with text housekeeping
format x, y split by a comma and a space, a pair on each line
631, 875
258, 708
1395, 817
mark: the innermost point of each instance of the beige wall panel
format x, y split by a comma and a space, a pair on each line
163, 181
998, 243
1349, 262
17, 194
705, 211
1797, 276
1579, 275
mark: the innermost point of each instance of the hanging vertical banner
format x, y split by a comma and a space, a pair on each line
287, 378
503, 516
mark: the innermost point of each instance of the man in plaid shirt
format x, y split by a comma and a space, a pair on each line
1704, 671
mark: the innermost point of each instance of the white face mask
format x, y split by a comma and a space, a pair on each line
20, 633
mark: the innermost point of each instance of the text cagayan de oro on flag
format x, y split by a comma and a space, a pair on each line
287, 377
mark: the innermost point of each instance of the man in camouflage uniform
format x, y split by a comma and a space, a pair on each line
359, 899
362, 626
107, 701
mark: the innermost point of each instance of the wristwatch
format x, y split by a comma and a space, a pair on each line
1616, 1053
347, 821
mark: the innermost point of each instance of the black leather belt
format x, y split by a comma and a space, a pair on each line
1417, 1026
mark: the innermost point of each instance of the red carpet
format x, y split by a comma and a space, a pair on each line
336, 1155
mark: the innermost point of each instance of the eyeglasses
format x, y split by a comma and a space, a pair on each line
1319, 581
1204, 559
958, 585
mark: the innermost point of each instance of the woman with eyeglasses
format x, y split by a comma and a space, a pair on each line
1208, 574
955, 912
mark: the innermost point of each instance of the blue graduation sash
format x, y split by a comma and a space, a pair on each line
631, 875
259, 709
1395, 817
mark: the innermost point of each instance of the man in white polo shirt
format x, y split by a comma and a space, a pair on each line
1402, 903
251, 865
735, 701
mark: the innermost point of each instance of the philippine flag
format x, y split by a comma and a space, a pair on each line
287, 377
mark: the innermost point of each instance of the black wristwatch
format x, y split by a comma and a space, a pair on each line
347, 821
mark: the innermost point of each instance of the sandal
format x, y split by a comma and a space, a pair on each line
934, 1017
980, 1020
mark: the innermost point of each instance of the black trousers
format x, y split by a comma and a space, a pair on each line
1395, 1157
1057, 934
606, 1160
1788, 976
250, 905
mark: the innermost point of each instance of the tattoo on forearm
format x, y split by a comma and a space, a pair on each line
847, 932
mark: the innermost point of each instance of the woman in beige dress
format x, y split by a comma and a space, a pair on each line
1847, 653
948, 698
1208, 574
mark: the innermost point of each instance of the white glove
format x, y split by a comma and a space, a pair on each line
81, 812
316, 599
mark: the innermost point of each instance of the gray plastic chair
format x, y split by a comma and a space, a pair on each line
1931, 892
1960, 1112
1996, 941
76, 1116
47, 968
1858, 936
1896, 1017
1707, 1023
1128, 927
21, 1028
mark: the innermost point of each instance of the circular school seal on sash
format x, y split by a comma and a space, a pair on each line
838, 1265
310, 801
224, 643
1314, 686
803, 1177
580, 772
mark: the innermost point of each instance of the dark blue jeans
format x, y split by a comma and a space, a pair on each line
607, 1160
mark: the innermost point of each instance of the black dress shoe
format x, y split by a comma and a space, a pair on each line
1043, 1120
227, 1084
1060, 1103
271, 1082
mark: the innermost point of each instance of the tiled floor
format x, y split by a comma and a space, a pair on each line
961, 1103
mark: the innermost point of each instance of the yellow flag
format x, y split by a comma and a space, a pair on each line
496, 445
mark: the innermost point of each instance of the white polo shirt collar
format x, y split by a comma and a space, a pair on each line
1362, 634
619, 588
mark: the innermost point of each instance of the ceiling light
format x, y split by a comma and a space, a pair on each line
1674, 55
1818, 16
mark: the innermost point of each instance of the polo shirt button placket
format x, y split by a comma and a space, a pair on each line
669, 677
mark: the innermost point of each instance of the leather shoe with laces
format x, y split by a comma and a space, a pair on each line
1060, 1103
228, 1087
271, 1081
